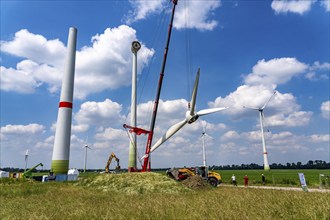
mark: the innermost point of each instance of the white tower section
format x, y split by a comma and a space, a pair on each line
61, 150
264, 150
261, 115
132, 147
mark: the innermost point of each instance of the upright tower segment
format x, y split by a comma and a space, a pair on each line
146, 160
61, 150
261, 115
264, 150
132, 147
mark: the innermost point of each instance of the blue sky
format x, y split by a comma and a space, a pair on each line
246, 50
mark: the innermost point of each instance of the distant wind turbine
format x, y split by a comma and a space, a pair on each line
86, 146
261, 115
26, 158
204, 134
191, 117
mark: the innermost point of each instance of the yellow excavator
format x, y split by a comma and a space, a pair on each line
179, 174
112, 156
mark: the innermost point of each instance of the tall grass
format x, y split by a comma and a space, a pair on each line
86, 199
133, 183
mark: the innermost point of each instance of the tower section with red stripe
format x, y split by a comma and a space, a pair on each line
61, 150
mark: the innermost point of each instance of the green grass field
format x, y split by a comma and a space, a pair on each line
152, 196
277, 177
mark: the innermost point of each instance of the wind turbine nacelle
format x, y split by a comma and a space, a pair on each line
191, 118
135, 46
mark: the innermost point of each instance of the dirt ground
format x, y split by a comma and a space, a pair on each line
195, 182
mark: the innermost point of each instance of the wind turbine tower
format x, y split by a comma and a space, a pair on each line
26, 158
204, 134
86, 146
132, 145
61, 150
261, 115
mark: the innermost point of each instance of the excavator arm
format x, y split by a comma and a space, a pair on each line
28, 173
112, 156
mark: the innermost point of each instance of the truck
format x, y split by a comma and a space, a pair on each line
179, 174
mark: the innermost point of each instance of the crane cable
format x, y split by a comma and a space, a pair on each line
156, 44
188, 50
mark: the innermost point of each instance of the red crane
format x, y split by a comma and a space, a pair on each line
146, 162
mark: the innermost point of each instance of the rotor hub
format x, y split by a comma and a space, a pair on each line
191, 118
135, 46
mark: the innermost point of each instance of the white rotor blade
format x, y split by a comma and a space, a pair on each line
268, 101
194, 94
206, 135
251, 108
86, 146
169, 133
204, 127
209, 136
210, 111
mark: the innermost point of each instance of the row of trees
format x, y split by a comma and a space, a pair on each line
316, 164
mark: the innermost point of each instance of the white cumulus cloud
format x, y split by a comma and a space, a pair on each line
275, 71
230, 135
23, 129
318, 71
189, 14
28, 76
325, 4
111, 138
196, 14
255, 97
106, 64
317, 138
99, 114
294, 119
325, 109
35, 47
17, 80
293, 6
282, 109
142, 9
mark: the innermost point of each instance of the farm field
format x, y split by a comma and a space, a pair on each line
152, 196
287, 178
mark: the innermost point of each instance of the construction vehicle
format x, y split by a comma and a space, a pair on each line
28, 173
112, 155
180, 174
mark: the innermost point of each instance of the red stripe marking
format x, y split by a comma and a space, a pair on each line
265, 153
65, 105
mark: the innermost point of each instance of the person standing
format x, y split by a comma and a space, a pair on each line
233, 180
263, 178
246, 180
